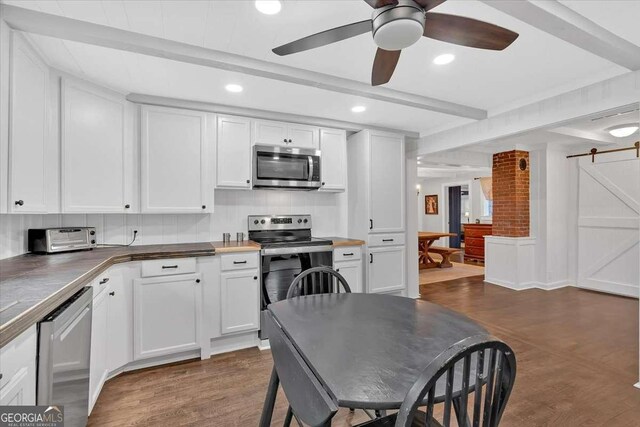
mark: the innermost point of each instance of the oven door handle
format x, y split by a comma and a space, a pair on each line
310, 159
296, 250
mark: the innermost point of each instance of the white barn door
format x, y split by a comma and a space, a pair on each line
608, 223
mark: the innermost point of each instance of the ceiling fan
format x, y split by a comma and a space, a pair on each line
397, 24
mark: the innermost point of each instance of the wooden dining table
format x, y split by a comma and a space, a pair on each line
425, 241
365, 350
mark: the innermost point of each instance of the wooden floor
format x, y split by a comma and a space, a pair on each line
577, 355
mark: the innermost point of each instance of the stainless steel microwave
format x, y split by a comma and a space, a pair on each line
286, 167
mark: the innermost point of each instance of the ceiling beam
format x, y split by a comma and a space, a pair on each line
556, 111
564, 23
101, 35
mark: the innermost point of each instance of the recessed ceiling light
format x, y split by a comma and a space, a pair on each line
444, 59
359, 109
270, 7
621, 131
233, 88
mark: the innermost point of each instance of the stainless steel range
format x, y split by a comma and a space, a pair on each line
287, 249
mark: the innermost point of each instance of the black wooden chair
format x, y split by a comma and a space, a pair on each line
318, 280
487, 375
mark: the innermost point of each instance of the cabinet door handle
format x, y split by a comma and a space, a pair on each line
285, 140
19, 202
240, 262
103, 281
169, 266
387, 240
255, 277
204, 206
112, 293
289, 141
370, 224
349, 254
197, 280
370, 258
248, 181
127, 206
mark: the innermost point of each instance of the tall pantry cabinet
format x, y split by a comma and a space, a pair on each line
377, 207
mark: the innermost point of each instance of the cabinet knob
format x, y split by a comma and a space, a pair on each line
289, 141
112, 293
197, 280
322, 182
248, 181
19, 202
285, 140
127, 206
338, 270
204, 206
255, 277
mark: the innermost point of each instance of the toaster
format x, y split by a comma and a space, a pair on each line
52, 240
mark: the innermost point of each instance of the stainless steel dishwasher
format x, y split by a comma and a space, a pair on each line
64, 350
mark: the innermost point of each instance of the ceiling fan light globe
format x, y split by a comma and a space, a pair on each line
398, 34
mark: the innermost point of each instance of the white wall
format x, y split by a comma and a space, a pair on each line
230, 215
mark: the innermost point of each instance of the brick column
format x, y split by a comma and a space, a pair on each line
510, 184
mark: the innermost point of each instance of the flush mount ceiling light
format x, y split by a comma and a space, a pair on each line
359, 109
268, 7
444, 59
621, 131
233, 88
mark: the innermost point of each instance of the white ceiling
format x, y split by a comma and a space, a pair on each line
536, 66
580, 135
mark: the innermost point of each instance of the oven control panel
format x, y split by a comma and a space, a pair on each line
279, 222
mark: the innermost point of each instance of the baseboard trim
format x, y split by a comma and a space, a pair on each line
528, 285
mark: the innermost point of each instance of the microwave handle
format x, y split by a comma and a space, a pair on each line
310, 168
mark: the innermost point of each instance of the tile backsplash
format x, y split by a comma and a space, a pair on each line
231, 209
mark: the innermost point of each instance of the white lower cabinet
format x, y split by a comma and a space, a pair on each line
386, 269
119, 321
18, 369
166, 315
352, 272
98, 366
239, 294
348, 262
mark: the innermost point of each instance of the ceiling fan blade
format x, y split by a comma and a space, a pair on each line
324, 38
467, 31
380, 3
383, 66
429, 4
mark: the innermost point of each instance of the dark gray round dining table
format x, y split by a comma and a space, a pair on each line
367, 350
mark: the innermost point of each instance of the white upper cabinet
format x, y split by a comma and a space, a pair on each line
271, 133
333, 164
285, 134
93, 149
386, 181
174, 161
28, 129
303, 136
376, 182
233, 155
